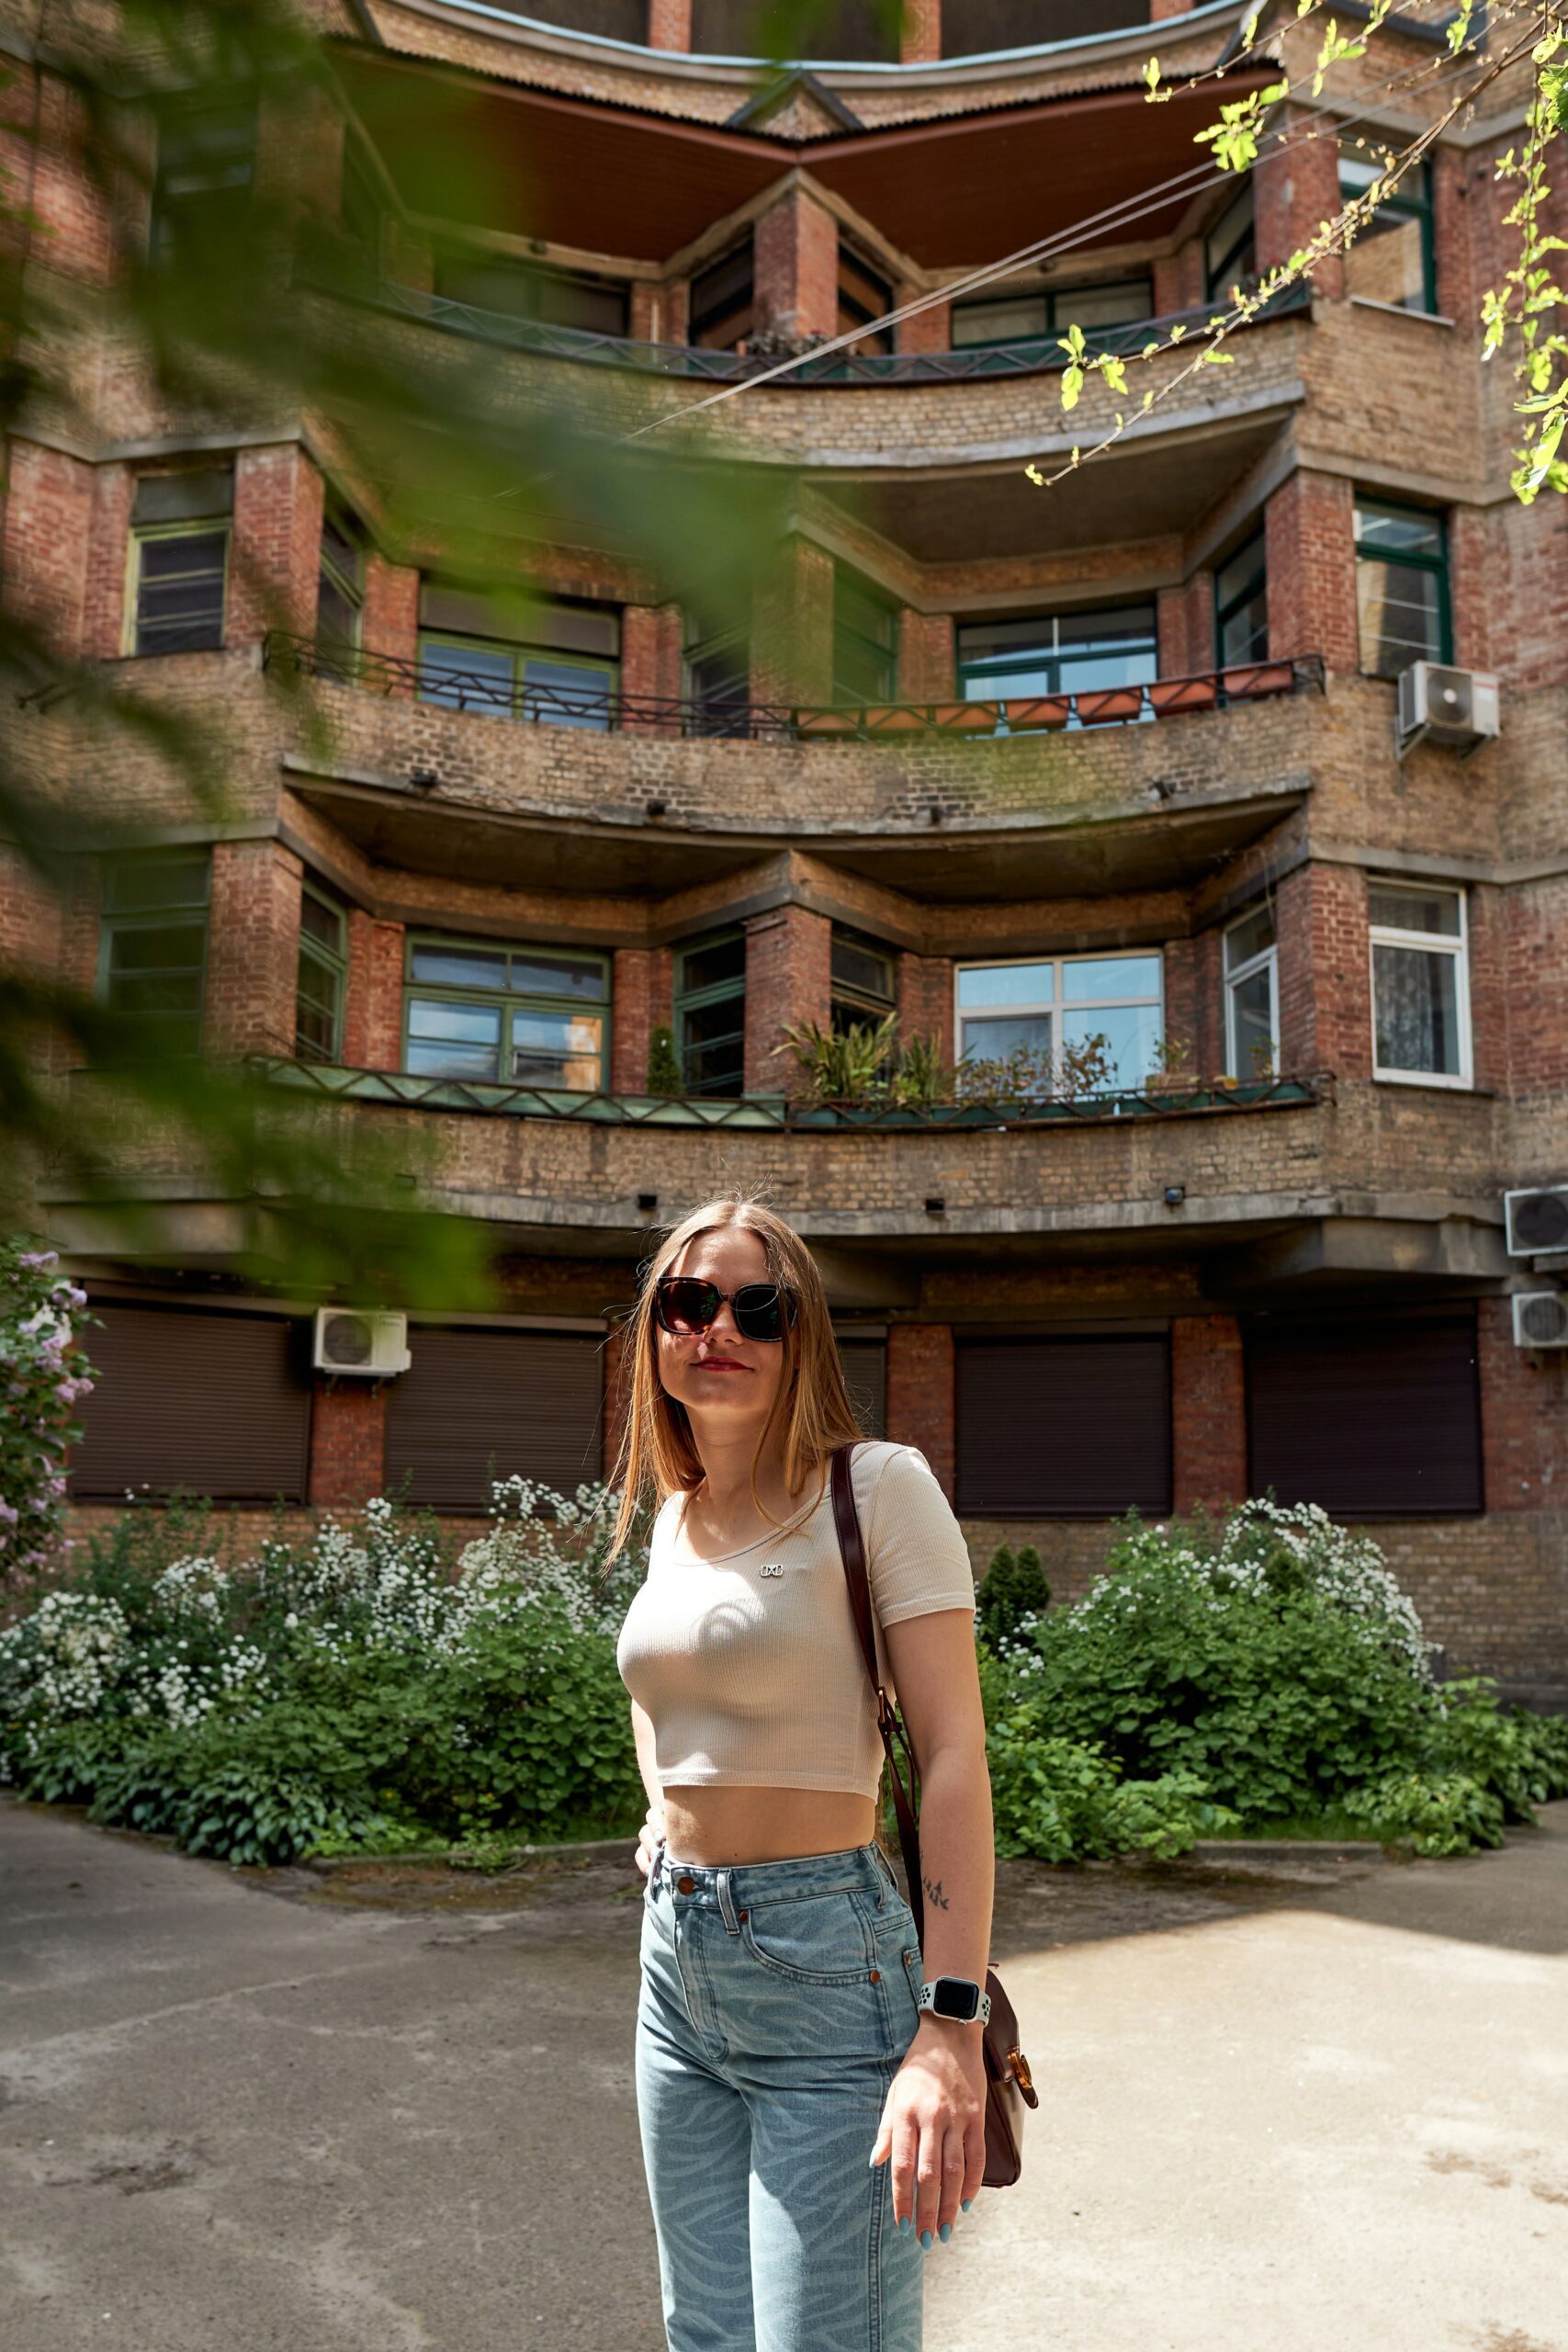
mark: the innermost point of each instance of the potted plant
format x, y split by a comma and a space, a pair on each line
1172, 1072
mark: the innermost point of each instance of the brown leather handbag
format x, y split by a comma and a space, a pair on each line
1009, 2086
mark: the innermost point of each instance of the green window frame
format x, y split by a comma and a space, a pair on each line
152, 936
1406, 212
866, 641
201, 183
1058, 653
321, 977
1241, 604
553, 658
340, 594
710, 1012
1033, 314
862, 980
497, 1013
178, 591
1403, 605
1230, 249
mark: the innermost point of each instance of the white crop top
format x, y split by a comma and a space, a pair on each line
748, 1667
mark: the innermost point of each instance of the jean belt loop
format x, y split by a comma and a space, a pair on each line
726, 1903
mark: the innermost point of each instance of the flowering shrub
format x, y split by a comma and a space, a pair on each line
42, 1374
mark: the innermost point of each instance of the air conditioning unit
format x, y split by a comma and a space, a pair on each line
1536, 1220
1541, 1319
372, 1342
1437, 704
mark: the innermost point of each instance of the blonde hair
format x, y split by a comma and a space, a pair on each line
658, 1455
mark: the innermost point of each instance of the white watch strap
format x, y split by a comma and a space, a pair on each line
928, 2000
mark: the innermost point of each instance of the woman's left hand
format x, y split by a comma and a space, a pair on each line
933, 2125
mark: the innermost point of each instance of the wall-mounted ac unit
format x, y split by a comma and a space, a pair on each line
372, 1342
1437, 704
1541, 1319
1536, 1220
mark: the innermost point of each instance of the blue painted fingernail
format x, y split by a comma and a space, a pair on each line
926, 2240
945, 2232
904, 2223
967, 2202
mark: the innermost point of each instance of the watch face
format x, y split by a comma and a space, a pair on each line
953, 1996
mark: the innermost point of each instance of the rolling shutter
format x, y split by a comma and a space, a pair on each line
1370, 1416
865, 1376
1065, 1428
218, 1404
531, 1399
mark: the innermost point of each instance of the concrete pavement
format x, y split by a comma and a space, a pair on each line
1325, 2111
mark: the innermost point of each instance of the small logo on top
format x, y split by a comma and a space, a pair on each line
773, 1568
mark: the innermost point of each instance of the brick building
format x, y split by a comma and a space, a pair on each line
1116, 761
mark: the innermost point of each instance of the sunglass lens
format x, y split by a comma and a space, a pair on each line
759, 1311
686, 1306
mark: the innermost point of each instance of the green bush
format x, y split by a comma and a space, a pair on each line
1012, 1591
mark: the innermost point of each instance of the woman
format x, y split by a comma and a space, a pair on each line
783, 2055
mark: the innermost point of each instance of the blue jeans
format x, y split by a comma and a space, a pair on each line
777, 2002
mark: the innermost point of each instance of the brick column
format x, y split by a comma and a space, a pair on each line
925, 1000
348, 1440
275, 561
408, 257
788, 977
1310, 542
373, 995
650, 665
1179, 278
1296, 187
109, 541
670, 24
253, 948
1208, 1411
921, 1393
929, 330
1523, 1416
1325, 993
792, 626
389, 621
796, 265
48, 527
1160, 9
926, 658
1187, 627
919, 33
643, 998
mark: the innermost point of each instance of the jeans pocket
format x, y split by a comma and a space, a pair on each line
811, 1939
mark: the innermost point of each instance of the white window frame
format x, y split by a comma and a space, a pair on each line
1057, 1006
1431, 943
1266, 957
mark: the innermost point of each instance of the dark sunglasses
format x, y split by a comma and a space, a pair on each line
683, 1305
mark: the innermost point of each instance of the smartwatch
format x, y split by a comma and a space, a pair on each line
956, 1997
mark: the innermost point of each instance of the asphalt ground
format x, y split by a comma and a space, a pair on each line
1287, 2107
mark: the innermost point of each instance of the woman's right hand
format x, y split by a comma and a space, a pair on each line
648, 1835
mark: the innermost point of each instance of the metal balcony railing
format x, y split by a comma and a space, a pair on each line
607, 708
1038, 355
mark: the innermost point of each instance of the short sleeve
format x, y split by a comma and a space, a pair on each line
916, 1555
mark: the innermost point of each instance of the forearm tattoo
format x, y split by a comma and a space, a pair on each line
934, 1893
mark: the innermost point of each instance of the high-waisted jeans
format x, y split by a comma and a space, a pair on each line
777, 2002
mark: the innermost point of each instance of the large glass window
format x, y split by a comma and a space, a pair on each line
533, 1015
202, 181
549, 659
323, 977
1252, 996
1393, 258
515, 289
1032, 313
710, 1013
340, 596
1421, 985
722, 303
1058, 653
1053, 1007
152, 942
1230, 249
1401, 587
866, 643
1241, 605
862, 982
718, 683
179, 561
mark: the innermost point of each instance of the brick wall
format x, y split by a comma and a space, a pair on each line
253, 948
1186, 620
1524, 1416
929, 330
1296, 185
348, 1441
651, 645
670, 24
1208, 1406
796, 267
788, 978
276, 552
1325, 971
373, 994
1311, 553
921, 1393
926, 656
925, 1000
919, 33
792, 627
642, 998
390, 620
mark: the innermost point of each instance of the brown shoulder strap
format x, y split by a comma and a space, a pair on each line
906, 1802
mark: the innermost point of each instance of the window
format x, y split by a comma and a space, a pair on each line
1252, 996
861, 979
340, 596
478, 1404
718, 681
1420, 987
710, 1014
219, 1404
1230, 249
1054, 1006
1401, 587
1069, 1428
722, 309
1032, 315
532, 1016
866, 643
543, 658
153, 944
201, 187
322, 974
179, 561
1368, 1416
1241, 605
1058, 653
514, 288
862, 296
1393, 258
